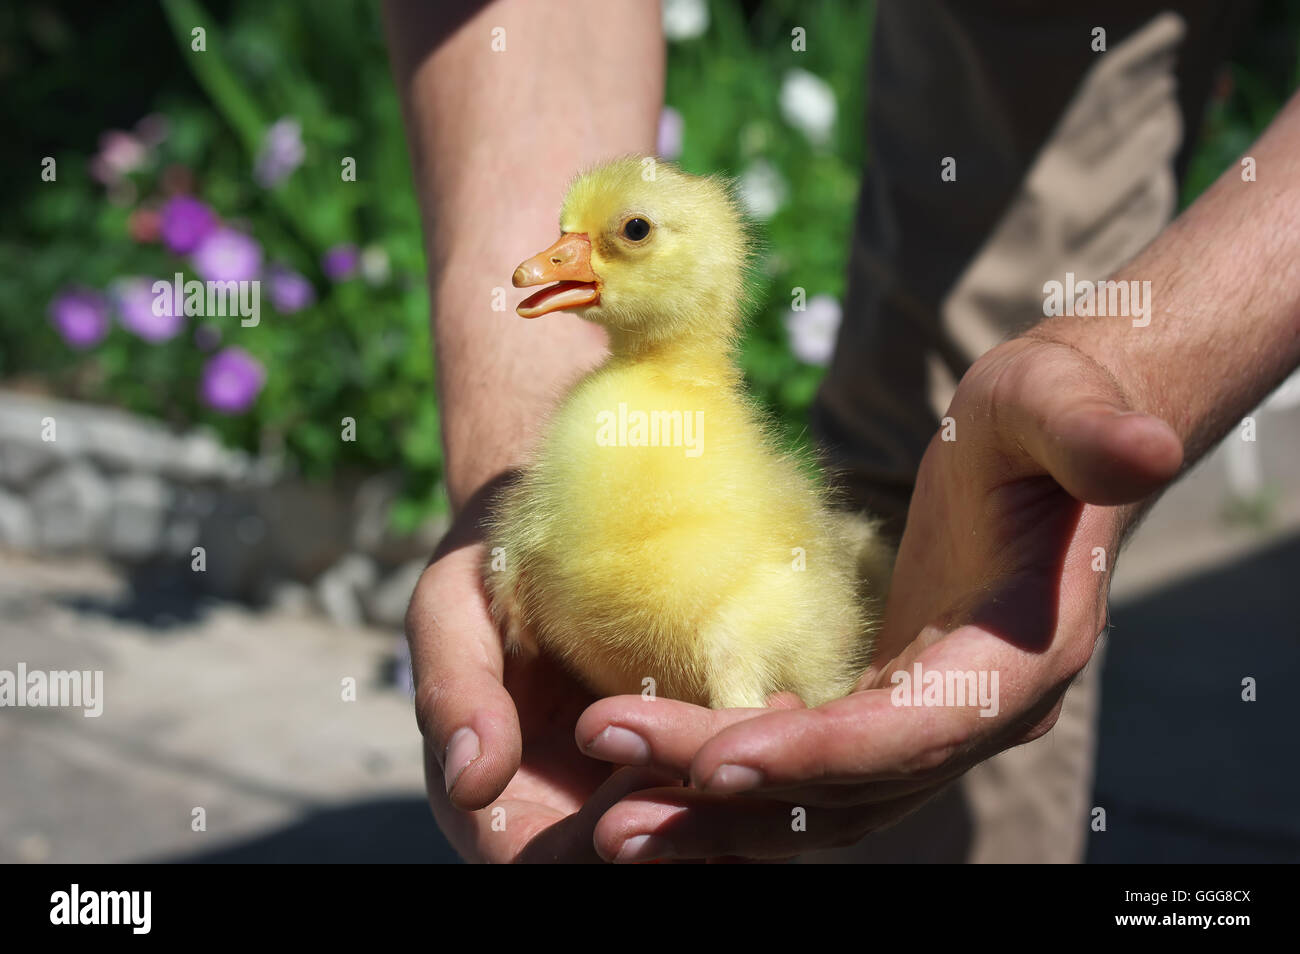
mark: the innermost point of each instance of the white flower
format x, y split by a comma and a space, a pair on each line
812, 331
762, 190
685, 19
375, 267
808, 104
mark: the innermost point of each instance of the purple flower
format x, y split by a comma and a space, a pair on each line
227, 255
670, 133
289, 291
80, 316
144, 313
340, 262
281, 152
231, 381
812, 331
186, 222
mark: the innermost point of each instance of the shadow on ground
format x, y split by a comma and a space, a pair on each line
157, 599
388, 830
1187, 771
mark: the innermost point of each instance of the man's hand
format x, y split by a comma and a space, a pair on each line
504, 778
996, 570
1004, 567
494, 139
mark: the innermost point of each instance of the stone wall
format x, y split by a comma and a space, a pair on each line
78, 478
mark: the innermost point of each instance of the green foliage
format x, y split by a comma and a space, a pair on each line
1251, 89
726, 84
363, 349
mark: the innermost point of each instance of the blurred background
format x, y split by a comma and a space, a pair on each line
302, 455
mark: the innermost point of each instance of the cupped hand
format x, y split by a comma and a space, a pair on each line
1003, 572
504, 778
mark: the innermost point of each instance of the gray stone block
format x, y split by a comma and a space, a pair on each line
17, 528
386, 603
71, 508
138, 521
22, 463
339, 589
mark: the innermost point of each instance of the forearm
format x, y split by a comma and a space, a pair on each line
1225, 289
495, 138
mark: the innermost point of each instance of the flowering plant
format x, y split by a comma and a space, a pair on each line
239, 172
235, 180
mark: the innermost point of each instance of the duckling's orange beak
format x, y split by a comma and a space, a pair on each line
568, 264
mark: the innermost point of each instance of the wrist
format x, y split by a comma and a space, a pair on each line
499, 376
1101, 343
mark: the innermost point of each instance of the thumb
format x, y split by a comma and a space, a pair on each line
1067, 415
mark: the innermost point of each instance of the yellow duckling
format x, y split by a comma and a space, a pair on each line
660, 534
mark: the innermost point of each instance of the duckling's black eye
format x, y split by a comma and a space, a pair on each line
635, 229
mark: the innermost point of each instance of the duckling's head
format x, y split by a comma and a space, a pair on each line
647, 251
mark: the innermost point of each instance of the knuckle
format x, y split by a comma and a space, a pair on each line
1072, 662
1043, 725
1074, 658
1040, 730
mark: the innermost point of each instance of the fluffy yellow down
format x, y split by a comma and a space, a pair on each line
660, 534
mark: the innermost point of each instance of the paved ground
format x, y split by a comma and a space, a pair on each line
1186, 769
216, 707
212, 705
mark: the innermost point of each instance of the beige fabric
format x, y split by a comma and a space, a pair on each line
1032, 803
1029, 804
1102, 189
1077, 172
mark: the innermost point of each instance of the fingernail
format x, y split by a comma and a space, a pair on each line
728, 779
643, 848
620, 745
461, 751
